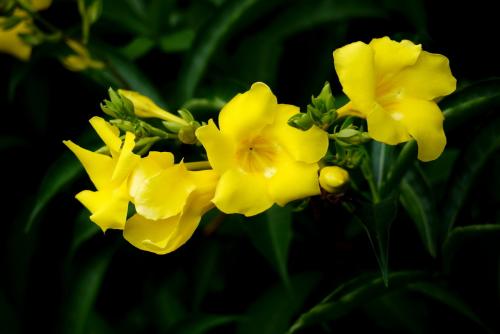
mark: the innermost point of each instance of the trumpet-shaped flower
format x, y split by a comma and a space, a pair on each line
261, 159
394, 85
10, 42
145, 107
109, 203
170, 201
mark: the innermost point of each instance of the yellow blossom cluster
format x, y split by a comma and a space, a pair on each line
255, 158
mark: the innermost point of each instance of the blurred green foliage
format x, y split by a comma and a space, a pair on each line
311, 271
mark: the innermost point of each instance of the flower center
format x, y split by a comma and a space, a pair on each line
257, 155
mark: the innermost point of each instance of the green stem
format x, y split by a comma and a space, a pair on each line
198, 165
405, 158
366, 169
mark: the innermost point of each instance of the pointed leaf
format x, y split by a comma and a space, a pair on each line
345, 300
417, 199
60, 174
449, 298
271, 234
479, 150
206, 43
470, 102
205, 324
377, 220
271, 313
467, 238
83, 290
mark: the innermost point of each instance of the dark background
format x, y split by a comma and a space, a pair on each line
222, 273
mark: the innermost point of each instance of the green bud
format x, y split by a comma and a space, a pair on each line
172, 126
118, 106
94, 11
7, 7
301, 121
186, 115
187, 135
351, 136
10, 22
321, 110
32, 39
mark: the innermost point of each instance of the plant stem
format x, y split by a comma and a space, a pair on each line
405, 158
198, 165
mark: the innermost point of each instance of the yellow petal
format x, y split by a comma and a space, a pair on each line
333, 178
99, 167
108, 207
147, 167
428, 79
386, 127
150, 235
11, 43
424, 122
220, 149
248, 113
240, 192
166, 235
41, 4
164, 195
127, 160
145, 107
108, 133
355, 68
391, 57
307, 146
293, 180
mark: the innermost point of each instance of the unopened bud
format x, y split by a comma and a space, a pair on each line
333, 179
301, 121
187, 135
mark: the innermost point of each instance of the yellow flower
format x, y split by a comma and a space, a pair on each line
169, 200
394, 85
81, 60
10, 42
109, 203
144, 107
333, 178
261, 159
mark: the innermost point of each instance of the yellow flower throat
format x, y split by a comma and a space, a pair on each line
257, 155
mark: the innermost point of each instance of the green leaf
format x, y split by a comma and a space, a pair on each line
399, 167
84, 230
206, 43
351, 295
271, 312
66, 169
417, 199
377, 219
206, 268
479, 150
121, 73
381, 157
177, 41
204, 323
470, 102
271, 234
467, 238
83, 290
137, 48
449, 298
258, 59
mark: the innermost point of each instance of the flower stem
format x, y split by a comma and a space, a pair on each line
405, 158
198, 165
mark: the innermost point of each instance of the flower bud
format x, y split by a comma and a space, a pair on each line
301, 121
333, 179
